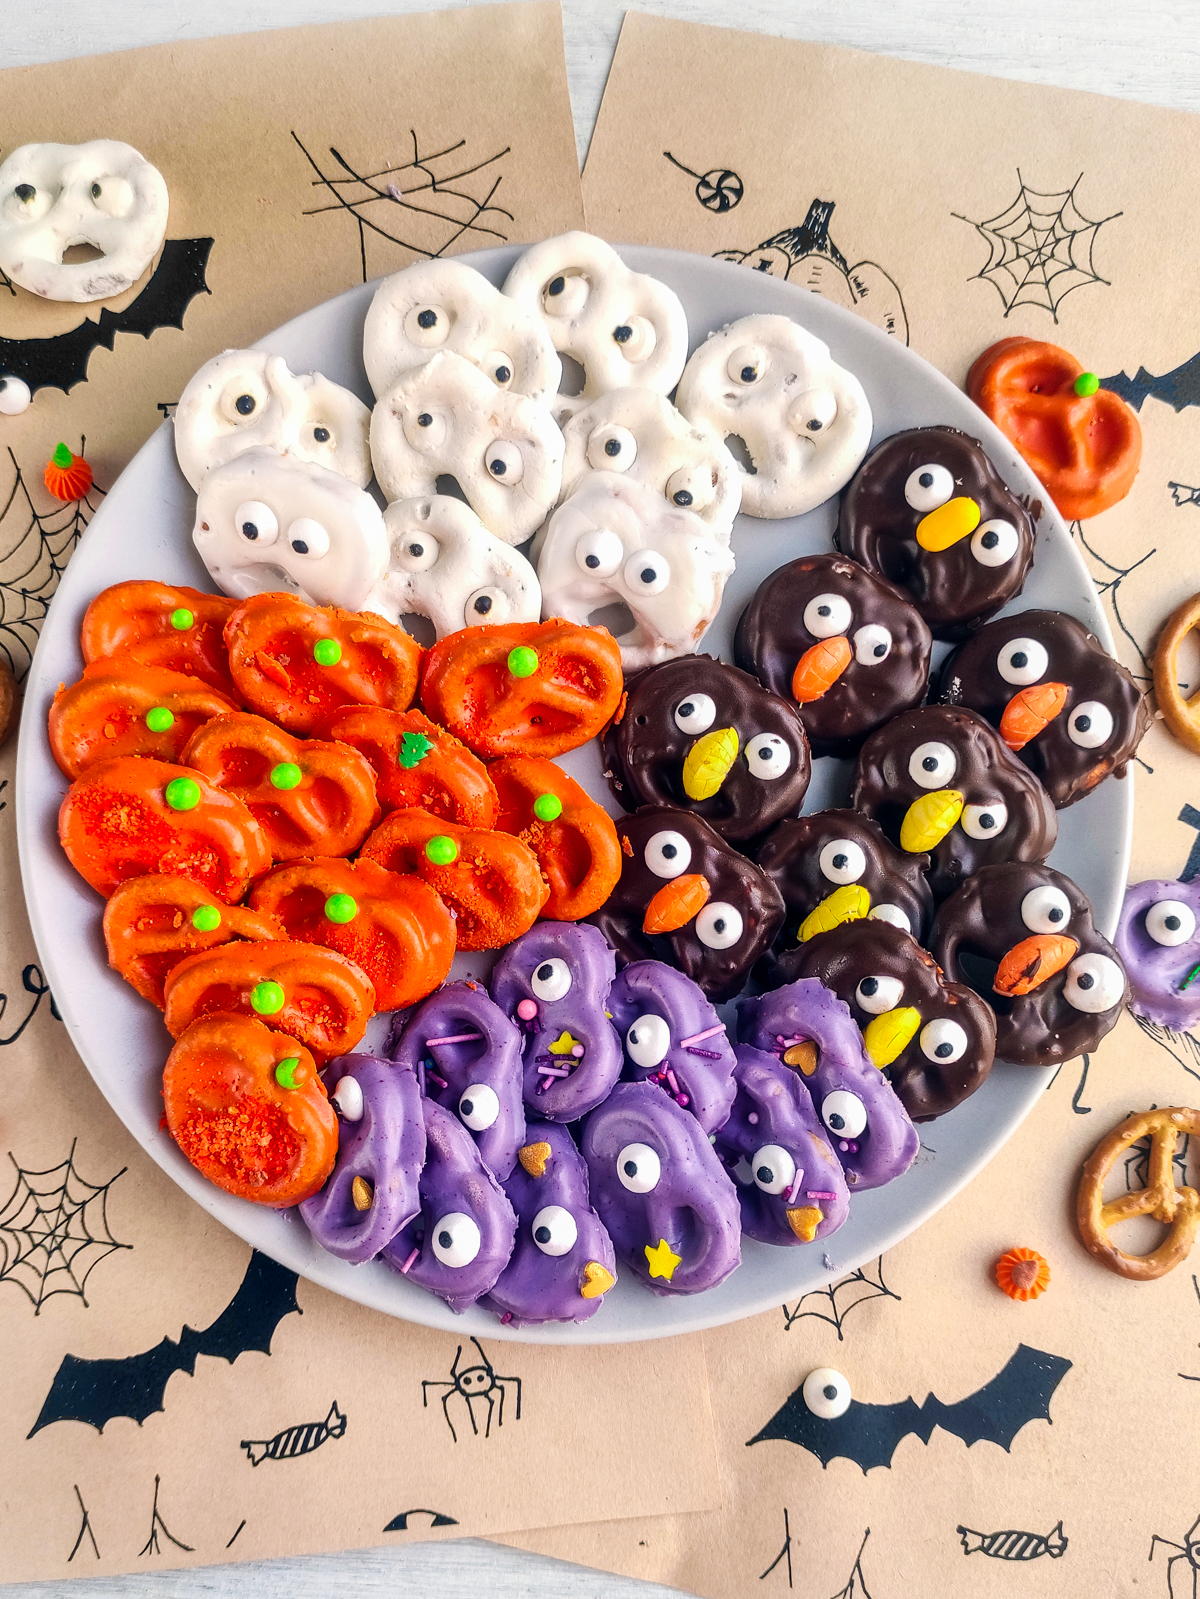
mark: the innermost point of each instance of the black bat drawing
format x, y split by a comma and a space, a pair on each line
437, 1519
1177, 388
870, 1434
62, 362
96, 1391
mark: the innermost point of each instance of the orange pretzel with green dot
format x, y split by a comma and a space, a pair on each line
163, 625
573, 838
418, 764
121, 708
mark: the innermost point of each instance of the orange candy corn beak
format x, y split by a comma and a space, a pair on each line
951, 522
1031, 962
676, 903
819, 668
1028, 712
596, 1280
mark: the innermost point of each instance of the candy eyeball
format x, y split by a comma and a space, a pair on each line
26, 203
505, 462
879, 994
1046, 910
747, 365
486, 605
1094, 984
768, 756
478, 1107
611, 449
692, 488
826, 1393
984, 821
428, 326
599, 552
456, 1239
499, 367
893, 915
812, 412
639, 1168
565, 295
554, 1230
719, 925
1090, 725
843, 1113
636, 337
943, 1041
348, 1099
667, 854
1170, 922
872, 644
242, 399
773, 1168
307, 537
928, 487
994, 543
647, 572
842, 861
827, 615
647, 1041
112, 195
696, 714
425, 429
551, 980
415, 552
256, 522
932, 765
1022, 661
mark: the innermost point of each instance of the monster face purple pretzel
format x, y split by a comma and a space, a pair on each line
668, 1203
372, 1190
1157, 939
808, 1027
673, 1036
467, 1056
463, 1238
790, 1184
553, 983
563, 1262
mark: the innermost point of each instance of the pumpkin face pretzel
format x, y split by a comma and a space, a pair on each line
309, 797
1181, 715
1177, 1208
526, 688
161, 624
573, 838
121, 708
418, 764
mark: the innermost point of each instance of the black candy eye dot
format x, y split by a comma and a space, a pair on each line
765, 1174
427, 319
929, 764
497, 467
1020, 659
1083, 723
503, 373
631, 1168
321, 435
987, 822
424, 420
748, 374
926, 480
1172, 924
669, 852
592, 561
446, 1241
25, 192
1055, 913
467, 1106
623, 334
990, 539
612, 447
249, 531
879, 651
840, 862
685, 709
837, 1122
1086, 980
244, 404
556, 286
943, 1050
542, 1235
719, 925
814, 426
300, 547
544, 973
869, 986
416, 551
824, 610
648, 574
829, 1391
682, 497
483, 604
95, 191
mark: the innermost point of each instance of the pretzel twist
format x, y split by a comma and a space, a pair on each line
1177, 1208
1181, 715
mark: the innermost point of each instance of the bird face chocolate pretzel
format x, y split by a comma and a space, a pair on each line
709, 739
930, 512
1157, 940
1022, 935
1057, 697
843, 643
941, 782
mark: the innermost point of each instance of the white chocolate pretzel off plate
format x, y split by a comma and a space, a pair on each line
266, 521
623, 328
56, 196
446, 566
247, 399
804, 420
444, 305
446, 419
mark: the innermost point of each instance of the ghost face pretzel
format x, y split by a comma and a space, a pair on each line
445, 565
445, 305
622, 327
804, 420
1158, 938
616, 541
54, 196
447, 419
247, 399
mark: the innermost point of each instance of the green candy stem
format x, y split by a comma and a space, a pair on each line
182, 794
182, 619
341, 908
206, 918
441, 850
1086, 384
286, 775
159, 719
327, 652
267, 998
62, 456
285, 1072
523, 661
414, 747
547, 807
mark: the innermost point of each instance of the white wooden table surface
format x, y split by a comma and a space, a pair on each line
1142, 49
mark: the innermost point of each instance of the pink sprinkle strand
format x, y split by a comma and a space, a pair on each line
698, 1038
818, 1193
506, 1318
674, 1083
411, 1261
440, 1081
553, 1071
455, 1038
790, 1197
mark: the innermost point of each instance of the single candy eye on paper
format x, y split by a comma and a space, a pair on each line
565, 295
872, 644
667, 854
842, 861
611, 449
256, 522
943, 1041
599, 553
747, 365
505, 462
1046, 910
648, 1040
827, 615
456, 1239
1022, 661
719, 926
554, 1230
768, 756
984, 821
1090, 725
647, 572
478, 1107
928, 487
636, 338
932, 765
773, 1168
696, 714
994, 543
551, 980
843, 1113
639, 1168
826, 1393
879, 994
427, 326
1170, 922
1094, 983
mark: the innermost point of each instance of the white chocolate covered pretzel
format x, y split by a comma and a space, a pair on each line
616, 541
804, 420
55, 196
623, 328
445, 565
447, 419
266, 521
247, 400
445, 305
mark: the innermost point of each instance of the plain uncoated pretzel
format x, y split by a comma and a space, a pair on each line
1178, 1208
1181, 715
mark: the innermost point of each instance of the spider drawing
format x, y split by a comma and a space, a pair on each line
476, 1384
1189, 1555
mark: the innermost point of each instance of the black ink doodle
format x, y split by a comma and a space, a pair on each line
437, 1519
842, 1297
808, 256
157, 1524
299, 1440
784, 1554
353, 191
1178, 388
870, 1434
1184, 1048
1080, 1110
62, 362
719, 190
233, 1540
1039, 248
856, 1586
97, 1391
1184, 493
1190, 817
1187, 1377
33, 983
472, 1384
85, 1525
1014, 1545
1189, 1553
54, 1230
1110, 586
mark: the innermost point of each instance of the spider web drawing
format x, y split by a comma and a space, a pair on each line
35, 547
54, 1231
439, 176
840, 1298
1137, 1162
1109, 587
1039, 248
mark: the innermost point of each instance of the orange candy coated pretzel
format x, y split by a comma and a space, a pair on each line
246, 1107
394, 927
567, 683
116, 822
577, 850
491, 881
314, 994
298, 663
1085, 447
161, 624
152, 923
417, 764
1181, 715
309, 798
121, 708
1177, 1208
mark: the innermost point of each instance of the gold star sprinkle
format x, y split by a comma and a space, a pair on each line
663, 1260
564, 1044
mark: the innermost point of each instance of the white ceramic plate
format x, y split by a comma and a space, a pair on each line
143, 530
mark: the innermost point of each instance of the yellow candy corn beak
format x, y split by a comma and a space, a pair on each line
708, 762
929, 819
950, 522
850, 903
597, 1280
533, 1158
804, 1221
889, 1035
